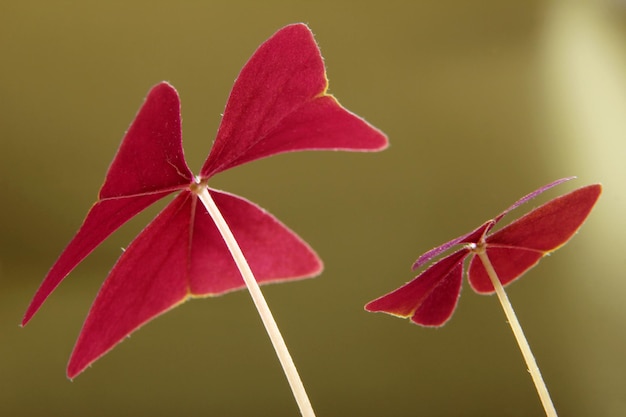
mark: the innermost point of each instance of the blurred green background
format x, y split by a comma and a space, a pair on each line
483, 102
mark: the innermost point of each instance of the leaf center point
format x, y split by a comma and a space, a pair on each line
477, 248
197, 185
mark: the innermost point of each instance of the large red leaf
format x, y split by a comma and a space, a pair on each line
149, 278
150, 158
181, 254
148, 166
273, 252
279, 104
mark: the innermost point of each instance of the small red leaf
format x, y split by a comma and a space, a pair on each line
549, 226
519, 246
430, 298
507, 262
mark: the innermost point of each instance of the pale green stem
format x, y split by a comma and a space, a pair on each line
259, 301
542, 390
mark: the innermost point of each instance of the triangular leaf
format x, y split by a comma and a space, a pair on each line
520, 245
149, 278
148, 166
431, 297
273, 252
279, 104
507, 261
150, 158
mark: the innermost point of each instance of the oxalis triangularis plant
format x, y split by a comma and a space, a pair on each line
208, 242
496, 259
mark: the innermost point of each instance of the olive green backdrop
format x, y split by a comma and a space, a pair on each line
483, 102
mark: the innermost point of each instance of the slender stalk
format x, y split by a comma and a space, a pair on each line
259, 301
540, 385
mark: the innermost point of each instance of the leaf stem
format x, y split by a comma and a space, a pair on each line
540, 385
259, 301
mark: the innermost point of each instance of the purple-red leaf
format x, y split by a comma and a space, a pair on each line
472, 236
530, 196
278, 104
431, 297
479, 232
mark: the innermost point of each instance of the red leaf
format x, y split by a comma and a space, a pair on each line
507, 262
430, 298
279, 104
148, 166
181, 254
150, 158
519, 246
149, 278
273, 252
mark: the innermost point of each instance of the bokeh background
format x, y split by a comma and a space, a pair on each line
483, 102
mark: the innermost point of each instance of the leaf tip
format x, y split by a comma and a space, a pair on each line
33, 307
